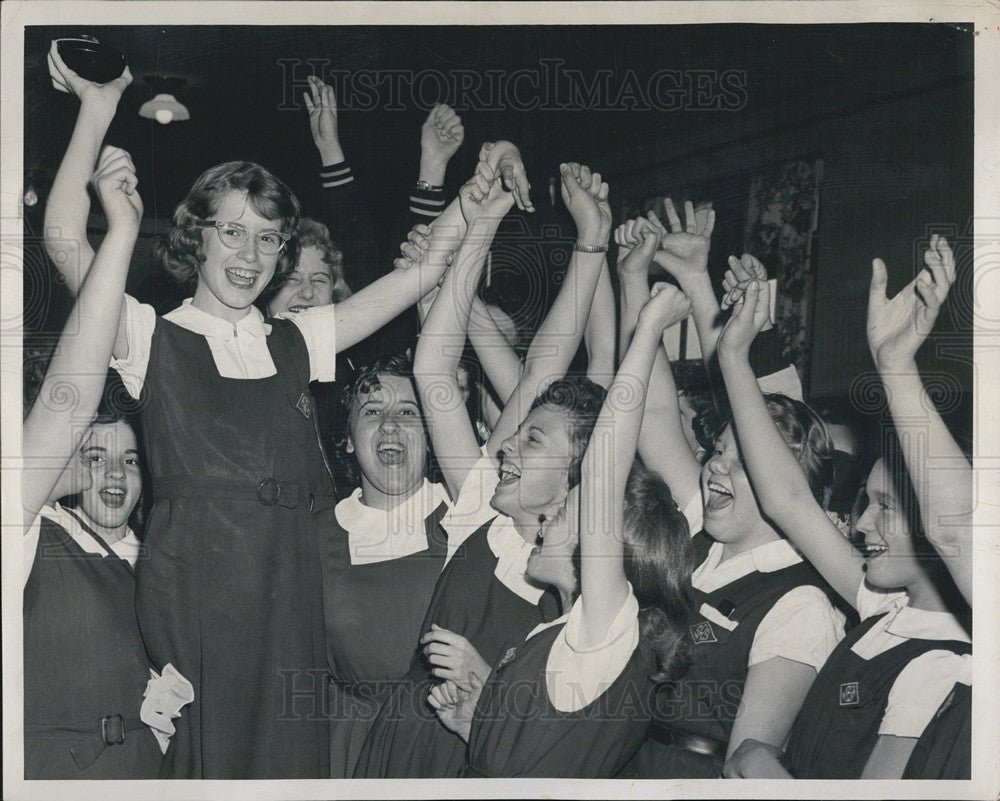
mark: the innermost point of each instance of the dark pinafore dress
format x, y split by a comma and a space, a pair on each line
837, 727
693, 717
230, 590
517, 732
85, 667
373, 617
407, 739
944, 750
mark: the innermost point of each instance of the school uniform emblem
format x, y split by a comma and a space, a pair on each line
507, 657
304, 406
849, 694
703, 633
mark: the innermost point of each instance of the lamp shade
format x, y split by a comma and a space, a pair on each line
164, 108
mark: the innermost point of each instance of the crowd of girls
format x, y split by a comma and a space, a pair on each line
361, 558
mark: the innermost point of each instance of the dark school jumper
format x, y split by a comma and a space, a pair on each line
231, 589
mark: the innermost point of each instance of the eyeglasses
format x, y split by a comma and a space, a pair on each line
234, 236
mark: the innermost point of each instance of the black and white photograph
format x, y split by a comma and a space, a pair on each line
534, 392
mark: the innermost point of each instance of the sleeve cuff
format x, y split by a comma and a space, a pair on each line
318, 325
472, 506
427, 202
625, 622
334, 175
140, 321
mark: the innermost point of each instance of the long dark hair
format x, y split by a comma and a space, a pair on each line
659, 560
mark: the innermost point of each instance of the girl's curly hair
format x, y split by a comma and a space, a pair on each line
180, 249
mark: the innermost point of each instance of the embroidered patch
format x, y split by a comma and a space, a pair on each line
849, 694
703, 633
507, 657
304, 406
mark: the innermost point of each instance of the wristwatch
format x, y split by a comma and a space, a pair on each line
426, 187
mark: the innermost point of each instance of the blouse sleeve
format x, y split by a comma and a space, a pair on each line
802, 626
576, 676
318, 325
140, 321
472, 506
920, 689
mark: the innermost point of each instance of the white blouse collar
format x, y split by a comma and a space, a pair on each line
377, 535
512, 554
188, 316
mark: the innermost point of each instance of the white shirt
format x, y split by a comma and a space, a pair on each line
923, 684
576, 676
471, 511
239, 351
802, 626
377, 535
127, 548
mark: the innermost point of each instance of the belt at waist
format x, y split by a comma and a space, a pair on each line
706, 746
267, 491
92, 736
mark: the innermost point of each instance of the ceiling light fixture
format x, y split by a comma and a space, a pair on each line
164, 107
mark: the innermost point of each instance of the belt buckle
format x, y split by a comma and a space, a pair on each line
269, 492
115, 734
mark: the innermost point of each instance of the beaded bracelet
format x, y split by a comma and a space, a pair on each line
582, 248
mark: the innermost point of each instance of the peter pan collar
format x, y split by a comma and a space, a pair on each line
512, 554
377, 535
126, 548
201, 322
922, 624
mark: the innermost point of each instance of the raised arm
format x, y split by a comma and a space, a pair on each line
441, 136
637, 241
78, 370
69, 204
557, 339
599, 335
778, 481
683, 253
606, 466
442, 338
942, 477
502, 364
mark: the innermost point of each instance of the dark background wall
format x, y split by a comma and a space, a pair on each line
888, 107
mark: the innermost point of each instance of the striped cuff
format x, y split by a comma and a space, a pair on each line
427, 202
336, 175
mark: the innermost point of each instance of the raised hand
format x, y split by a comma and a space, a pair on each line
667, 305
751, 311
505, 158
897, 327
321, 103
115, 182
740, 271
586, 198
684, 248
452, 656
484, 196
441, 135
103, 96
637, 241
413, 250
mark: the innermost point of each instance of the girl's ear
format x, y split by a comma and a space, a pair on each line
349, 447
